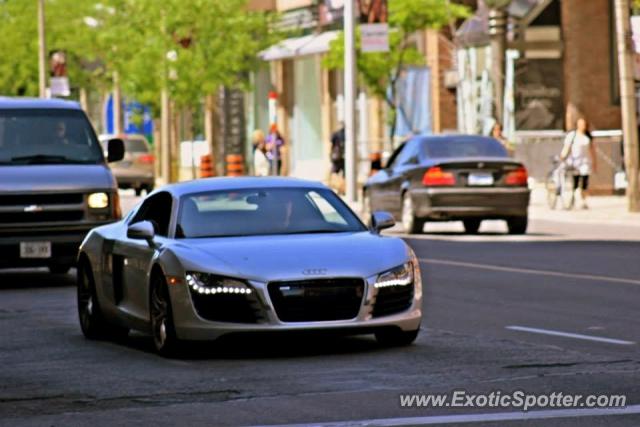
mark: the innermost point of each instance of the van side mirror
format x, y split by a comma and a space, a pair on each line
115, 150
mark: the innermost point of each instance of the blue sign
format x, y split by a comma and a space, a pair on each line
137, 118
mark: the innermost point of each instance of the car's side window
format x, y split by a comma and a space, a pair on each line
393, 160
157, 210
408, 155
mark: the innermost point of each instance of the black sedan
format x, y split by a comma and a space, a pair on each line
464, 178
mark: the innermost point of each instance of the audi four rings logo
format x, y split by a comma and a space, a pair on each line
314, 271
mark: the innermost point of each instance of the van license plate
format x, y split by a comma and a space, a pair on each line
35, 249
480, 179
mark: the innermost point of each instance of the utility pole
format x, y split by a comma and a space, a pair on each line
117, 104
497, 30
628, 103
42, 52
351, 160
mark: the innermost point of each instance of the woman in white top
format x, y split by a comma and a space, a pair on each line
578, 151
260, 161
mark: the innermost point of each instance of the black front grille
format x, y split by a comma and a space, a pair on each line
42, 199
42, 216
392, 300
234, 308
317, 300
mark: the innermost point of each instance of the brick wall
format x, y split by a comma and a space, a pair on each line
586, 35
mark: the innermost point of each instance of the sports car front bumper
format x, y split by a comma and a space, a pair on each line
191, 326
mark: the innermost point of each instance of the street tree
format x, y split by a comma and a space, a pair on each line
380, 72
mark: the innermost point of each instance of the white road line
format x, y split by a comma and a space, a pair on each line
475, 418
569, 335
529, 271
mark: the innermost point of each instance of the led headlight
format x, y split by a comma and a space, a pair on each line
399, 276
98, 200
209, 284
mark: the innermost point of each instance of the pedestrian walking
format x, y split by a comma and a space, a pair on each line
337, 159
579, 153
496, 133
275, 142
260, 161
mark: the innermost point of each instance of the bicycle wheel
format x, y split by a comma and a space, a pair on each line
567, 191
552, 191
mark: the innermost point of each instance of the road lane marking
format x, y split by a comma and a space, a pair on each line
569, 335
475, 418
529, 271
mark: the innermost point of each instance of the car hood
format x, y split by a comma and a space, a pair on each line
294, 257
55, 177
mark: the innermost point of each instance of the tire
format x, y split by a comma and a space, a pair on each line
553, 191
471, 226
161, 316
139, 190
410, 223
59, 268
567, 193
396, 337
148, 188
517, 225
90, 316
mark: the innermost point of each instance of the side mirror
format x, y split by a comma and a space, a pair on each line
115, 150
381, 220
142, 230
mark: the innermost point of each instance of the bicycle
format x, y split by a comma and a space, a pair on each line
560, 184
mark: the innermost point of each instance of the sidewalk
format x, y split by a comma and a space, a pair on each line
610, 210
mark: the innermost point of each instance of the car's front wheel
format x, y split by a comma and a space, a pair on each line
410, 223
162, 327
92, 323
396, 337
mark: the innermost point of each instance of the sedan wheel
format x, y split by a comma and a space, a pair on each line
164, 337
517, 225
471, 226
411, 224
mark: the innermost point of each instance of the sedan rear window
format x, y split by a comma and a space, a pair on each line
264, 211
462, 147
135, 146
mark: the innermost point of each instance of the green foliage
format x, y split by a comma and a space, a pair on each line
134, 38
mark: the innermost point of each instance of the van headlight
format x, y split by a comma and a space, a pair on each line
98, 200
398, 276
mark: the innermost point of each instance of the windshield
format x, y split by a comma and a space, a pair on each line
264, 211
462, 147
45, 136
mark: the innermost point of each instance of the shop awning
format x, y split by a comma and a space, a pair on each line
311, 44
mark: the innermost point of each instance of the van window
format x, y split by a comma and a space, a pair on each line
47, 136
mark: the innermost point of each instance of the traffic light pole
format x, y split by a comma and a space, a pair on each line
351, 160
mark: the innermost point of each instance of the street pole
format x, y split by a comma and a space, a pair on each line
42, 52
117, 104
350, 102
628, 103
165, 136
497, 28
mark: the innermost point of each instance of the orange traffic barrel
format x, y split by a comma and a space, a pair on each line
206, 166
235, 164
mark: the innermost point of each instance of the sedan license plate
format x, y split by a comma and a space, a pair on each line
480, 179
35, 249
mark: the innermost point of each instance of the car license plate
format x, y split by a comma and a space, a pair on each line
35, 249
480, 179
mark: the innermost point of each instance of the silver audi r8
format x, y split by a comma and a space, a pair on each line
207, 258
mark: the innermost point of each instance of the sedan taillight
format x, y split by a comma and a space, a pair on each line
435, 177
517, 177
146, 159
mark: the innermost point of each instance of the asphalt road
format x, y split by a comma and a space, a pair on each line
497, 313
